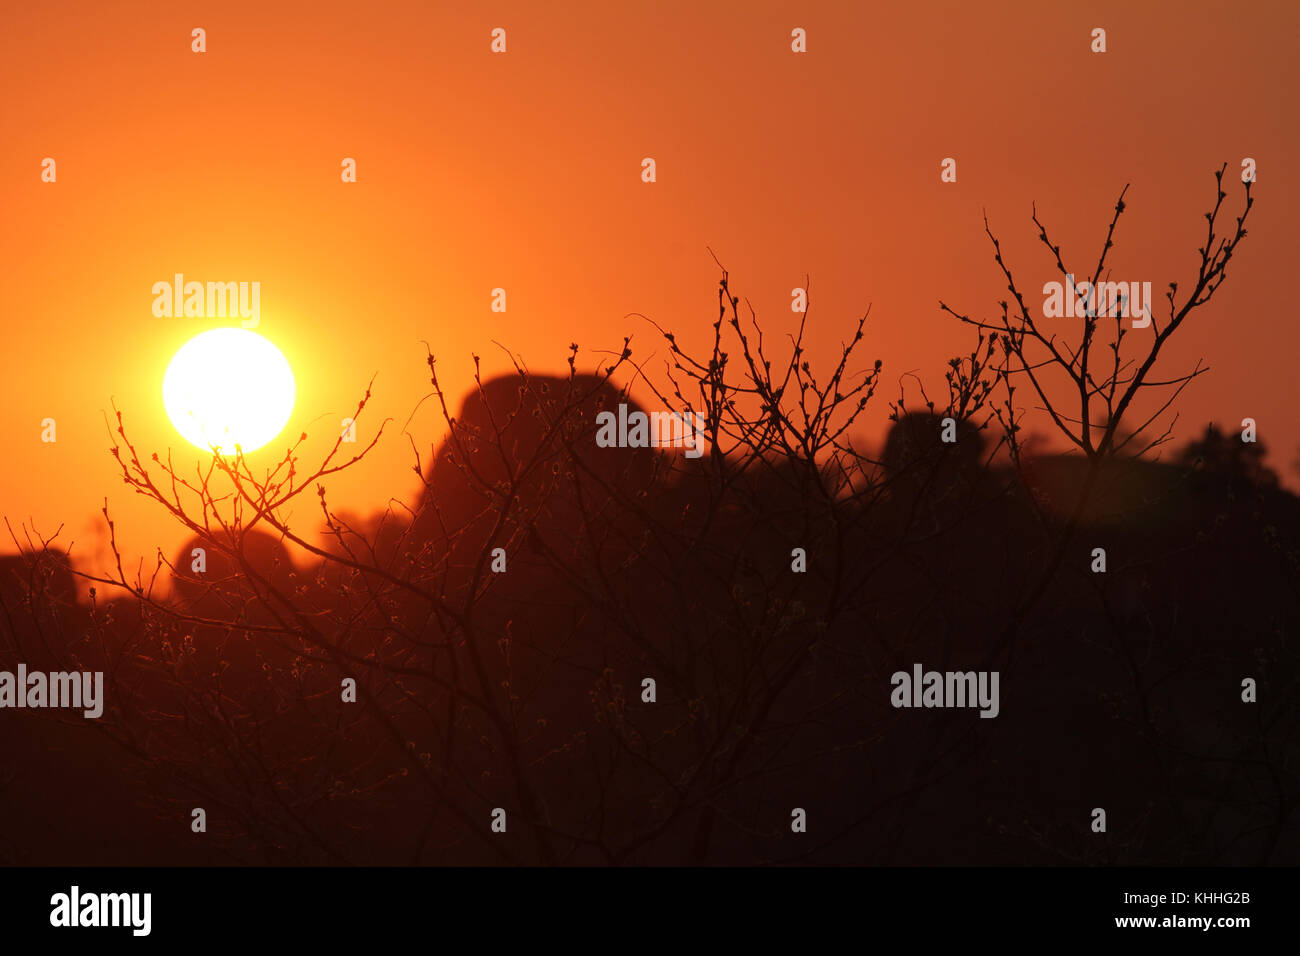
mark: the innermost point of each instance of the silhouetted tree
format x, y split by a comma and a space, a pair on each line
503, 633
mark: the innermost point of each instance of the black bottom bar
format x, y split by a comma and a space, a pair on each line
599, 907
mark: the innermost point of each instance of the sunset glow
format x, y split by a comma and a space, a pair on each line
727, 436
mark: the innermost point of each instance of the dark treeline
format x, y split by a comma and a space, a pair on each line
522, 690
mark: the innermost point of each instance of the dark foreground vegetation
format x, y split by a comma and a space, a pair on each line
500, 632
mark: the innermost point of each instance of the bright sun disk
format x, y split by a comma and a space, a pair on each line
228, 387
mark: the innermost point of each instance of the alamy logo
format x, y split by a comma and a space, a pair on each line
946, 689
76, 689
1127, 300
102, 909
198, 300
655, 430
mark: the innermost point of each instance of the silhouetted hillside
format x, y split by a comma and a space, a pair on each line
514, 679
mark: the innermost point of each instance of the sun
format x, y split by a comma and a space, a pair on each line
226, 388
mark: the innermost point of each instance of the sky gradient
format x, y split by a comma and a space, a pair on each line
522, 171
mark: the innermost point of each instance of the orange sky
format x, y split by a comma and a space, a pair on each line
522, 171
